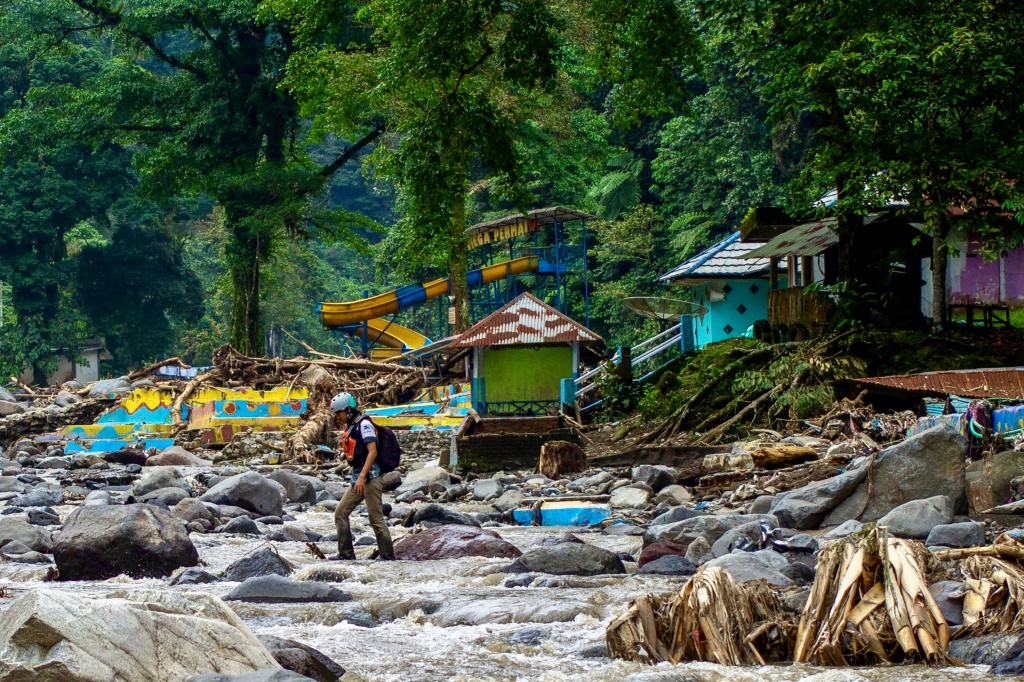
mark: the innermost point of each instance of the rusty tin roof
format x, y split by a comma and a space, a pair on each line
526, 321
998, 382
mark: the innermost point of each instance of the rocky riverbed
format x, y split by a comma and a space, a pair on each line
478, 597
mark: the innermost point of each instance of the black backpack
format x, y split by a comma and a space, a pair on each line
389, 452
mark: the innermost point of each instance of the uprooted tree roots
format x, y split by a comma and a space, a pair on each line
869, 604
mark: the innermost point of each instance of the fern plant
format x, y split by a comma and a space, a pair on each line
619, 190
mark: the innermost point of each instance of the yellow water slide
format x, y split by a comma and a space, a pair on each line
391, 335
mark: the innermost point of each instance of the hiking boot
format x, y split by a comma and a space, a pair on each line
338, 557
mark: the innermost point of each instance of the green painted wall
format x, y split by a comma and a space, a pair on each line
525, 373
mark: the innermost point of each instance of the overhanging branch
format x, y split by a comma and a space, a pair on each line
329, 169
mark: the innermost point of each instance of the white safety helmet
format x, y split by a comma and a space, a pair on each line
343, 401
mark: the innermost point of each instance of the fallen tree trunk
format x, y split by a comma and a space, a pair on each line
779, 456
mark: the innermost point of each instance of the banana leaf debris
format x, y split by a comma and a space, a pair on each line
869, 605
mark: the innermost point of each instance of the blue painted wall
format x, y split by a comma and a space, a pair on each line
746, 301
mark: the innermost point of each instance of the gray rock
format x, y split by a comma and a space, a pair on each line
159, 478
510, 499
949, 595
191, 509
684, 532
744, 566
167, 497
6, 395
915, 519
420, 479
987, 649
263, 561
148, 635
436, 514
699, 552
53, 463
9, 407
97, 498
630, 498
42, 516
302, 659
249, 491
108, 387
928, 464
805, 508
967, 534
10, 484
175, 456
487, 488
39, 497
673, 495
297, 488
277, 589
567, 558
656, 476
240, 525
126, 456
17, 529
989, 481
670, 564
746, 537
65, 398
845, 528
673, 515
194, 576
138, 540
762, 504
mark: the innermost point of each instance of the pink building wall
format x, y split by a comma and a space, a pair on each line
972, 279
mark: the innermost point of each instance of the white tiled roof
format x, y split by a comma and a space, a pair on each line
724, 259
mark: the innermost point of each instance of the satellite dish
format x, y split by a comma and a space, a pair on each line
657, 308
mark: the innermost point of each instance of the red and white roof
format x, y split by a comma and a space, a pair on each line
526, 321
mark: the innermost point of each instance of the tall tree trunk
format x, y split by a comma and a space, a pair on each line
243, 256
457, 257
940, 255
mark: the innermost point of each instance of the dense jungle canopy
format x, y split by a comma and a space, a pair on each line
177, 174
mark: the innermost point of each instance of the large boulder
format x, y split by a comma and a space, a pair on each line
421, 479
629, 498
167, 497
917, 518
38, 497
16, 529
268, 675
277, 589
656, 476
454, 542
673, 495
56, 636
567, 558
175, 456
989, 480
436, 514
191, 509
125, 456
806, 507
744, 566
139, 540
743, 537
110, 387
249, 491
925, 465
297, 488
159, 478
657, 550
263, 561
302, 659
966, 534
487, 489
670, 564
684, 532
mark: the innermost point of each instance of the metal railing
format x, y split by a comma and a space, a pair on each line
639, 354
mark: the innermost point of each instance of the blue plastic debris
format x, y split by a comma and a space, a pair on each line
565, 513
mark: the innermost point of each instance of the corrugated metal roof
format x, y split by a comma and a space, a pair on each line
998, 382
808, 239
727, 258
526, 321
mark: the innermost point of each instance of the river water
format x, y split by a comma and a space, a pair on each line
452, 620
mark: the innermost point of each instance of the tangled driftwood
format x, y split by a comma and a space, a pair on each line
316, 429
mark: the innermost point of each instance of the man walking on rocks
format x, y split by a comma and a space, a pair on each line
360, 445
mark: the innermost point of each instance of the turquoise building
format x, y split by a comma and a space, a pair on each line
731, 288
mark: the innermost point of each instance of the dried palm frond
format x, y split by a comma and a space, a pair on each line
995, 593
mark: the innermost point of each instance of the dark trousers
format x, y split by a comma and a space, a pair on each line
375, 506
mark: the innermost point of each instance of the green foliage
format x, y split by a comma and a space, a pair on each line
619, 190
137, 289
